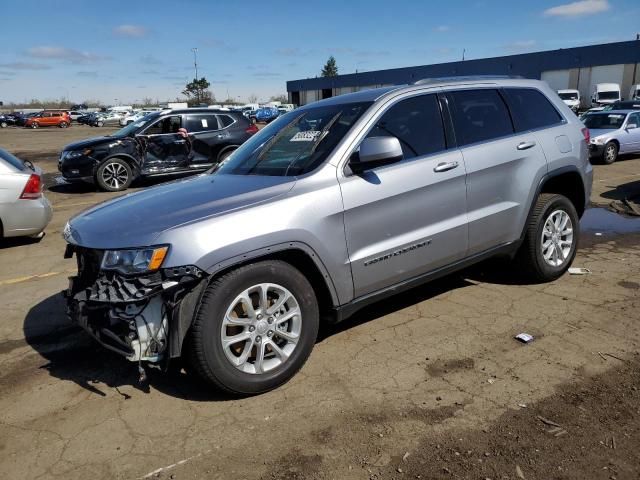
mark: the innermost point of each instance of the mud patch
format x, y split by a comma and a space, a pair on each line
629, 285
295, 466
586, 430
440, 367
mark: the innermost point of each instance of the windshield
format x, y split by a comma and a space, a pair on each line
604, 121
296, 143
568, 96
608, 95
134, 127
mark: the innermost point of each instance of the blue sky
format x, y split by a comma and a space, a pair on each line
128, 50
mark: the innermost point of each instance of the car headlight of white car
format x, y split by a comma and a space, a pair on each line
131, 261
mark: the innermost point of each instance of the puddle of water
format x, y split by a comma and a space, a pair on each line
601, 220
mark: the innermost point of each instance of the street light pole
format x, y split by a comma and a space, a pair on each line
195, 65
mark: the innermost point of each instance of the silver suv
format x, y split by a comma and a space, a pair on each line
331, 207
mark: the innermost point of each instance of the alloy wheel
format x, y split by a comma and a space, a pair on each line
261, 328
114, 175
557, 238
610, 154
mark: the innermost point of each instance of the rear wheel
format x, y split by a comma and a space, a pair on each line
551, 239
34, 125
610, 153
224, 155
63, 125
114, 175
4, 124
99, 124
254, 329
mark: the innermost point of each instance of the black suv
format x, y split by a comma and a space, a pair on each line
161, 143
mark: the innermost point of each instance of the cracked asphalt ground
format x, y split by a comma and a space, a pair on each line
433, 373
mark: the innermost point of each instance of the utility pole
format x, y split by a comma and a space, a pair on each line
463, 52
195, 65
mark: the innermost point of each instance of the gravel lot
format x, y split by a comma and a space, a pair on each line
430, 384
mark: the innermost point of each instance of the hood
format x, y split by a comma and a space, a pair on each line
597, 132
136, 220
89, 142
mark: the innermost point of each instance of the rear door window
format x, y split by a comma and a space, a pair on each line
416, 122
531, 109
225, 120
201, 123
479, 115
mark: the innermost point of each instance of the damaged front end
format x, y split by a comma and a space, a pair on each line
143, 316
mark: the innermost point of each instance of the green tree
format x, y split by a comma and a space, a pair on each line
198, 92
330, 68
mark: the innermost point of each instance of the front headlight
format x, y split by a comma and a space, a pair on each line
78, 153
135, 260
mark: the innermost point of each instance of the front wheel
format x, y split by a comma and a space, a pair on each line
114, 175
610, 153
254, 329
99, 124
34, 125
4, 124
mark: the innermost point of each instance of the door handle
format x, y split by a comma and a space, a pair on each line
526, 145
443, 167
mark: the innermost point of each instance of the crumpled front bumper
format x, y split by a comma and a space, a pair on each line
142, 317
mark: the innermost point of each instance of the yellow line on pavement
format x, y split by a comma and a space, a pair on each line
63, 205
32, 277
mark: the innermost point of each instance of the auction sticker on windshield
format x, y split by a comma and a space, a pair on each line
308, 136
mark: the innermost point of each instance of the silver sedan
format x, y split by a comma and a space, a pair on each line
24, 210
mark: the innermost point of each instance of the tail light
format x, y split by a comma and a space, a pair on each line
587, 135
33, 188
251, 129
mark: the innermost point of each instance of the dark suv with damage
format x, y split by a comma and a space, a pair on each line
169, 142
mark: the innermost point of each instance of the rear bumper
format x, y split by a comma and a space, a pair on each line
27, 217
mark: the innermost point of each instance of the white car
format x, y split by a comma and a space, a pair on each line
24, 210
134, 117
571, 98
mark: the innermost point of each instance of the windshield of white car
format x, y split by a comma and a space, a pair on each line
608, 95
608, 121
568, 96
133, 128
296, 143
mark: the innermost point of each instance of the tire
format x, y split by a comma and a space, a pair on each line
223, 156
552, 208
99, 124
63, 125
114, 175
34, 125
4, 124
213, 362
610, 153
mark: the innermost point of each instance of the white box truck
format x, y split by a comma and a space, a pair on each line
605, 94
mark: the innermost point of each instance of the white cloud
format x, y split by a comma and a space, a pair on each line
442, 28
520, 45
67, 54
25, 66
130, 31
580, 8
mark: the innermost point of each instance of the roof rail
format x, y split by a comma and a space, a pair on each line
465, 78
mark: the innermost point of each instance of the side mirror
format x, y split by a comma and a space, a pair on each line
375, 152
631, 126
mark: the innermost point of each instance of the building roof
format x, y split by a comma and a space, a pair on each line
529, 65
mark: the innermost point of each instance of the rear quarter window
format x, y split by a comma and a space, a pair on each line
8, 159
479, 115
531, 109
201, 123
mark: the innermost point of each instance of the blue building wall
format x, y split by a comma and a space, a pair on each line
528, 65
